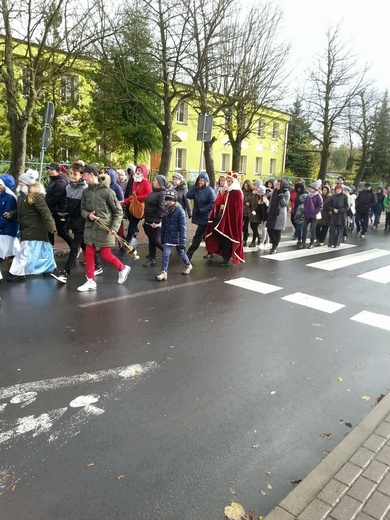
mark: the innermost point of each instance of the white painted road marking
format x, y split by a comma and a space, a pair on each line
313, 302
301, 253
146, 293
62, 382
253, 285
381, 275
381, 321
348, 260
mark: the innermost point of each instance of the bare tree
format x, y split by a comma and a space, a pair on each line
334, 82
45, 38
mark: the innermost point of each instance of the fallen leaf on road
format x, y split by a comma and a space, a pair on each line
268, 473
273, 392
326, 436
318, 339
339, 379
269, 486
378, 400
325, 452
365, 398
13, 488
348, 425
262, 492
235, 511
255, 445
232, 491
120, 476
317, 324
295, 482
91, 464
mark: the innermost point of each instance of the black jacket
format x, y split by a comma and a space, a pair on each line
56, 193
364, 201
154, 206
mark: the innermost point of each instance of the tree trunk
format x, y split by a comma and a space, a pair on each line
236, 149
166, 152
18, 129
361, 169
209, 160
324, 164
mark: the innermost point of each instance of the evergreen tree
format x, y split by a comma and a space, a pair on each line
380, 152
299, 155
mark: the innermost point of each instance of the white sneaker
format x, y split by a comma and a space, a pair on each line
163, 275
61, 277
90, 285
261, 247
79, 252
188, 269
122, 275
98, 271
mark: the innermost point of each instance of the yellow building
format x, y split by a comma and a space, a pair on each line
262, 153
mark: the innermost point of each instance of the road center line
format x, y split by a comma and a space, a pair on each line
146, 293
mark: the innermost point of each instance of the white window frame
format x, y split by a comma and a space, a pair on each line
258, 165
181, 159
275, 130
261, 128
272, 166
182, 113
225, 162
243, 163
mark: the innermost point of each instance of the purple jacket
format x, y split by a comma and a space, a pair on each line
312, 206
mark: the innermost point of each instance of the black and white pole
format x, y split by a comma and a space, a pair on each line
46, 134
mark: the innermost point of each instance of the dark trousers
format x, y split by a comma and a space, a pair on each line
362, 222
154, 237
226, 247
62, 227
335, 234
78, 237
313, 225
197, 239
321, 231
132, 229
274, 236
387, 222
255, 230
245, 228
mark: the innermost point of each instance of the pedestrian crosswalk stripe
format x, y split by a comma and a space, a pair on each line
253, 285
380, 321
381, 275
301, 253
313, 302
344, 261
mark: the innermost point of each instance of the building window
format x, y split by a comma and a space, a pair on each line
258, 165
243, 160
272, 167
261, 128
70, 89
181, 159
225, 162
182, 113
275, 130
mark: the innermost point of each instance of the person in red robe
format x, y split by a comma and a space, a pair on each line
224, 229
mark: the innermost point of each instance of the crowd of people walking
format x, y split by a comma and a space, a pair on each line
91, 210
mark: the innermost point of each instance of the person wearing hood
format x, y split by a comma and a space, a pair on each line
224, 229
364, 203
324, 221
130, 171
9, 229
203, 196
181, 188
312, 212
74, 192
247, 191
122, 180
259, 211
337, 208
299, 217
114, 183
378, 206
277, 212
140, 189
154, 211
293, 196
99, 202
56, 200
36, 222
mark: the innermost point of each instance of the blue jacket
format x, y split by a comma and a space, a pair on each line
7, 226
174, 227
115, 186
204, 199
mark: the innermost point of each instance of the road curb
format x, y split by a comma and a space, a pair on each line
300, 497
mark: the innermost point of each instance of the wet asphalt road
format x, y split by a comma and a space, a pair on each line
230, 394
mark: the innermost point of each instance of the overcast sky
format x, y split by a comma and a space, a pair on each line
305, 24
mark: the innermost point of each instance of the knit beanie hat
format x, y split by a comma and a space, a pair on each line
162, 181
178, 176
260, 190
29, 178
257, 183
316, 185
171, 195
90, 169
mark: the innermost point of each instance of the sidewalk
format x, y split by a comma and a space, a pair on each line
352, 482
